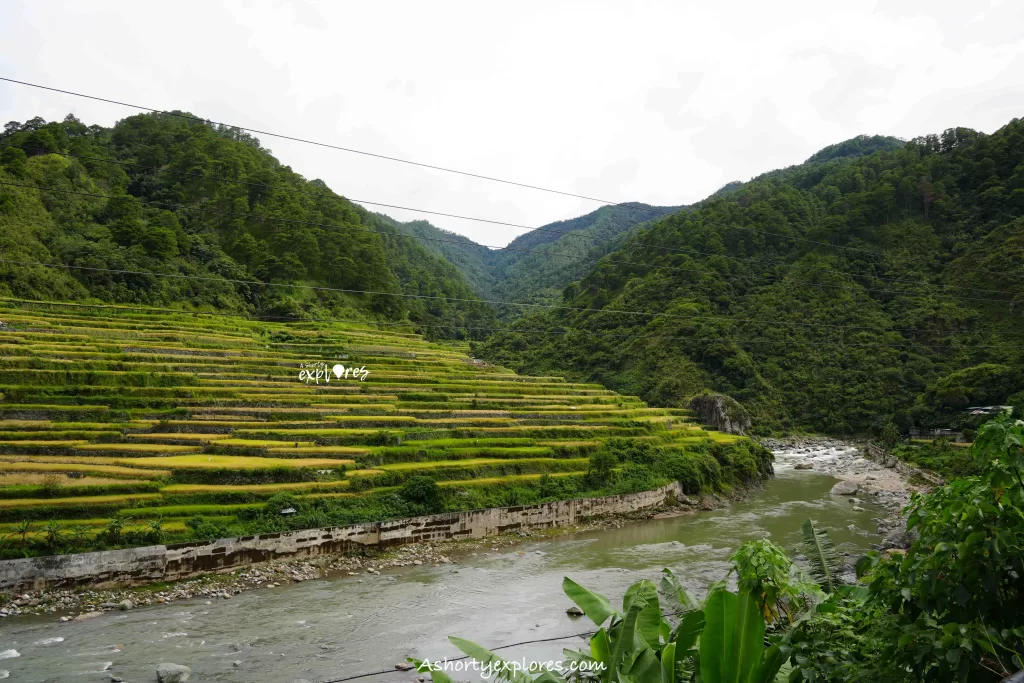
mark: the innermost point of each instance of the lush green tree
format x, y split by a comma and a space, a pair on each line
209, 207
878, 278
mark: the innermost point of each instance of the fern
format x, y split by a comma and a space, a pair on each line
821, 553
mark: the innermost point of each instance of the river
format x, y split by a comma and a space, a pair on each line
341, 626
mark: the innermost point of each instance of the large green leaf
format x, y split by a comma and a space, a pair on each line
624, 645
502, 670
822, 556
772, 660
643, 590
646, 666
597, 607
436, 675
733, 637
648, 625
601, 651
674, 592
668, 663
689, 630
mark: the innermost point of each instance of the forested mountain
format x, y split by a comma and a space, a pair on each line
537, 265
880, 280
473, 260
223, 223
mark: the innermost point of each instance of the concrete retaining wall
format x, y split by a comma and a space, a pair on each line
173, 562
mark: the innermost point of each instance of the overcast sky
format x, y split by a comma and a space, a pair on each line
659, 102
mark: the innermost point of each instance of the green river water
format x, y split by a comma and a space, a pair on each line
336, 627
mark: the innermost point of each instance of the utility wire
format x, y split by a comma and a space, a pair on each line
261, 217
459, 659
415, 296
563, 331
689, 251
310, 142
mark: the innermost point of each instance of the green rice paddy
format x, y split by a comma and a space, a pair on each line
210, 414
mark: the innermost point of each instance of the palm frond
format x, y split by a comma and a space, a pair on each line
826, 565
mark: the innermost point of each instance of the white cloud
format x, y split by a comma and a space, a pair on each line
661, 102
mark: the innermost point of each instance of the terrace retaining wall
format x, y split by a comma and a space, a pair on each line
183, 560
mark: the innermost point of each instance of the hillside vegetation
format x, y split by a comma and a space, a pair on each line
832, 296
131, 426
220, 222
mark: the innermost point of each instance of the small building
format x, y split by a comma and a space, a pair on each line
287, 512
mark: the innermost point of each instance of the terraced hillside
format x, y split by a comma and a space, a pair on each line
129, 426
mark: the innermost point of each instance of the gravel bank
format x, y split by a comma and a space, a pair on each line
867, 480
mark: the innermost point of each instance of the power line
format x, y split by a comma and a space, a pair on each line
688, 251
432, 239
563, 331
311, 142
424, 296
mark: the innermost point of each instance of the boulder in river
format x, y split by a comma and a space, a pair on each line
172, 673
804, 466
845, 488
574, 611
125, 604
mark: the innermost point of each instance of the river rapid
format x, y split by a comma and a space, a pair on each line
344, 625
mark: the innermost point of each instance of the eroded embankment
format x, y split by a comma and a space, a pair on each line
88, 597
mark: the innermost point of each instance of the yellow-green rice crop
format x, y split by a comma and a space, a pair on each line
233, 462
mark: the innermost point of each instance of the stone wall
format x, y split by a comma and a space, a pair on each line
878, 454
182, 560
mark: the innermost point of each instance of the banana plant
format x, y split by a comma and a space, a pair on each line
721, 642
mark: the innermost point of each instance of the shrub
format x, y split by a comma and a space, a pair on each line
202, 529
423, 492
682, 468
602, 466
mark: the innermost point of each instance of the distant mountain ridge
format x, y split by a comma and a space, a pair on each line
538, 264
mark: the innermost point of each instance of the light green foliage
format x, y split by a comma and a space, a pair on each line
765, 570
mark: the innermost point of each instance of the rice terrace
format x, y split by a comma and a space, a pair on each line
130, 427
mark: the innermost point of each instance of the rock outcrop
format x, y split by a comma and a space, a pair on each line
722, 412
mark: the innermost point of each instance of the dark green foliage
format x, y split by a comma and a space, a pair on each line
201, 529
890, 434
874, 280
602, 465
939, 456
209, 202
950, 608
862, 145
423, 492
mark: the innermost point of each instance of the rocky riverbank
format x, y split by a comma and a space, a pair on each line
84, 603
860, 478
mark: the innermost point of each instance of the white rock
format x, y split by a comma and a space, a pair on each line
172, 673
844, 488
